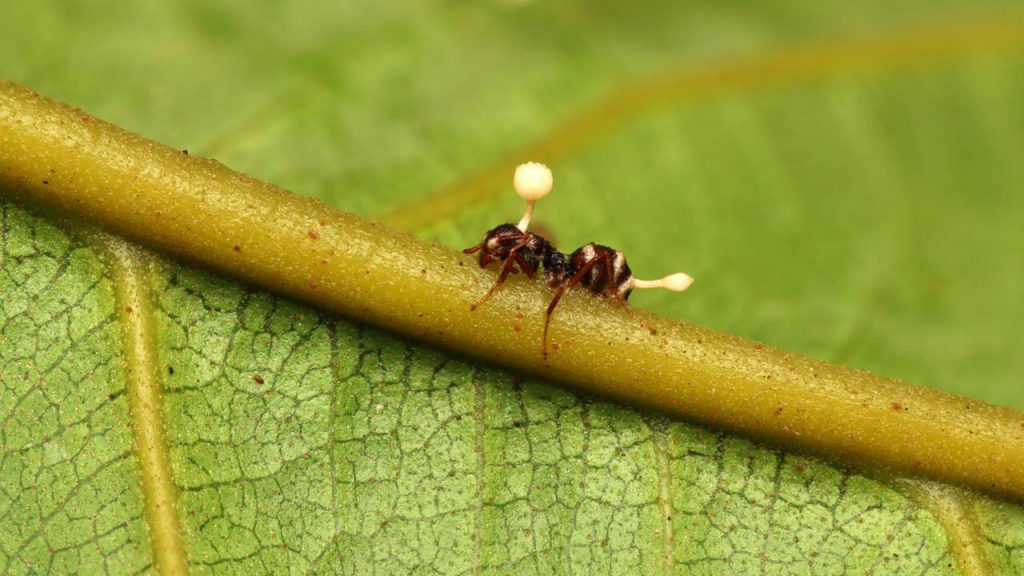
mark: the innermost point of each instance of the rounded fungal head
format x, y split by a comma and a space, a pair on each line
532, 181
677, 282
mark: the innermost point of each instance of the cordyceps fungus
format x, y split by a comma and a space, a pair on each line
603, 271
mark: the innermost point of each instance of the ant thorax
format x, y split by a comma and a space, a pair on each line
557, 267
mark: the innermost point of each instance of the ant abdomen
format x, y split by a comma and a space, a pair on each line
608, 275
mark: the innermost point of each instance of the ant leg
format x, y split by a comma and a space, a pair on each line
505, 270
558, 296
614, 293
485, 258
625, 306
525, 267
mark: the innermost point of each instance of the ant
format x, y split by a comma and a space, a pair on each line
600, 269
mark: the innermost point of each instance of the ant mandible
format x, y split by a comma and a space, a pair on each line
600, 269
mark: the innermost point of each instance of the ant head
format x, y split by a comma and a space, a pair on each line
532, 182
497, 244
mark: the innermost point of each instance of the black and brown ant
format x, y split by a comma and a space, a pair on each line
600, 269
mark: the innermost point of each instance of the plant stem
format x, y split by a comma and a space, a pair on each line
59, 158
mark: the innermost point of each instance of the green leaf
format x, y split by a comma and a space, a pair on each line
868, 216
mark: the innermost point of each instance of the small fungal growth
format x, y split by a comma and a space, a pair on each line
601, 270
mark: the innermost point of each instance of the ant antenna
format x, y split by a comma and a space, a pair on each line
532, 182
675, 282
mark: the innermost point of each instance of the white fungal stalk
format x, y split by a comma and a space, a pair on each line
532, 182
675, 282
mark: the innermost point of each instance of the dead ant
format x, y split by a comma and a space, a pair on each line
600, 269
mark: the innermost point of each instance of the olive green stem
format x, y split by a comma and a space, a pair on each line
54, 156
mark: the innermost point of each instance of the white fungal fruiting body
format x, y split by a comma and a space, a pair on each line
675, 282
532, 182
